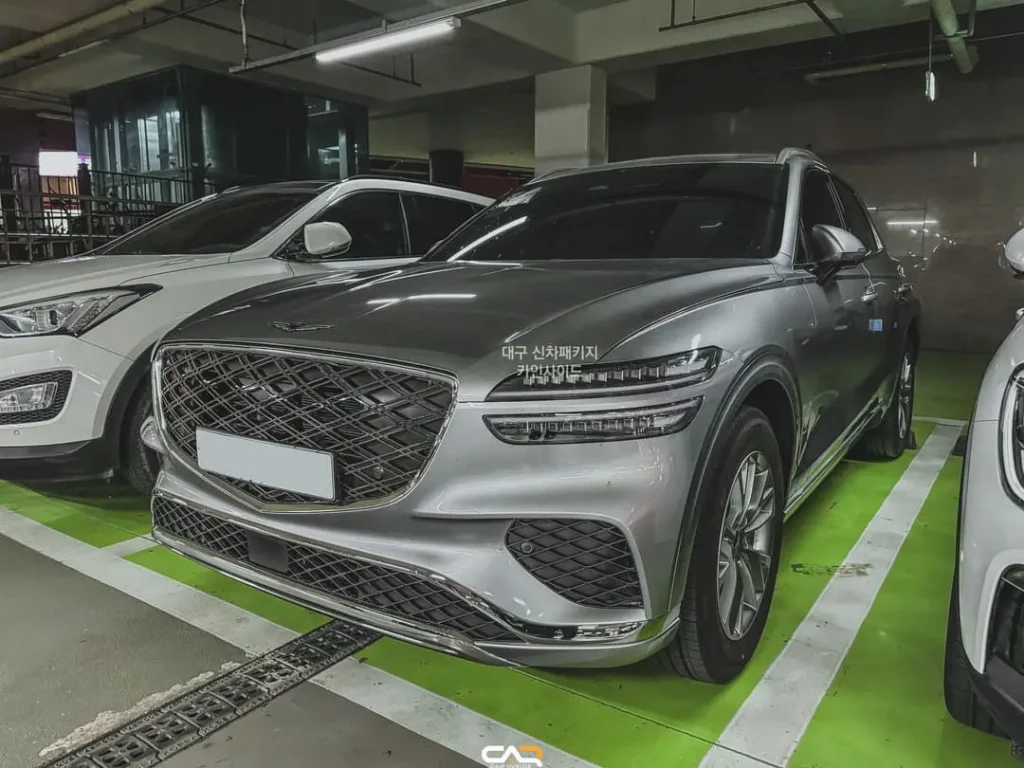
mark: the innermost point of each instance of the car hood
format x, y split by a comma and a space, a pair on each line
466, 318
92, 272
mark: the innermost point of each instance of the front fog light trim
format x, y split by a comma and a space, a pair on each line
593, 426
28, 398
34, 399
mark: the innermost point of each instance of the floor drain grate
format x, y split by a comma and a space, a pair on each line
154, 737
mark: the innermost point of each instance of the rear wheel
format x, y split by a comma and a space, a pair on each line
962, 702
140, 464
889, 439
735, 560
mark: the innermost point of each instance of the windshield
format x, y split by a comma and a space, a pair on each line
226, 223
670, 211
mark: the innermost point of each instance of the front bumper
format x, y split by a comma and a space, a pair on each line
516, 648
449, 533
95, 373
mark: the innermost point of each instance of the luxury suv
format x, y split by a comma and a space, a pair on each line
984, 670
76, 334
570, 435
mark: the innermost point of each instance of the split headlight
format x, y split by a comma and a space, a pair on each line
628, 379
1011, 435
73, 314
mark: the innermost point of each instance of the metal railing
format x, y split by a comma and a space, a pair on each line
48, 217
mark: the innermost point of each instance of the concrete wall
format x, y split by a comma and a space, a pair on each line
958, 162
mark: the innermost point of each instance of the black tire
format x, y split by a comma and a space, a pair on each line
962, 702
890, 438
701, 649
140, 464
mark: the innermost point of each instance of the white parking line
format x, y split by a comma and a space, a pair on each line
936, 420
772, 720
426, 714
130, 546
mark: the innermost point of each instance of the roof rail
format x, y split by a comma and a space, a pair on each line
789, 153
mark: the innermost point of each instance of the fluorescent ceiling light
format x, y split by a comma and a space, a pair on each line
913, 223
387, 41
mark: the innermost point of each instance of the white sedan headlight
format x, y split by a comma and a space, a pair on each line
73, 314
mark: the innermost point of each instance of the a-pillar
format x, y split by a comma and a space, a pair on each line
571, 119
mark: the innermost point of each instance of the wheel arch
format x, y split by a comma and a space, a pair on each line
767, 381
136, 377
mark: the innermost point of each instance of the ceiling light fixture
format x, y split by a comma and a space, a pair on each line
389, 40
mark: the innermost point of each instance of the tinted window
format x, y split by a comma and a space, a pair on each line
857, 220
818, 207
432, 219
374, 220
226, 223
681, 211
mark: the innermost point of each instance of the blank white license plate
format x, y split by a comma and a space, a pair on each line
277, 466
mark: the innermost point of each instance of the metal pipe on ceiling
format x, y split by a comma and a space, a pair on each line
965, 56
76, 28
878, 66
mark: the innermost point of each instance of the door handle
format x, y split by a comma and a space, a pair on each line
869, 295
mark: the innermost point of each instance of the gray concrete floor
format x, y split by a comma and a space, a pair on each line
71, 648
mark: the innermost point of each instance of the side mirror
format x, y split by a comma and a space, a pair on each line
1014, 252
838, 249
323, 238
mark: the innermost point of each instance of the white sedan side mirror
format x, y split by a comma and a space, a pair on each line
323, 238
1014, 251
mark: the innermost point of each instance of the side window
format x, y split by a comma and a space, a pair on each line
857, 220
374, 219
433, 218
818, 207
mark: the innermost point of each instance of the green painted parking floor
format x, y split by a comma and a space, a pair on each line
884, 706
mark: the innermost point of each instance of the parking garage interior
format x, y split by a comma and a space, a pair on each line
117, 651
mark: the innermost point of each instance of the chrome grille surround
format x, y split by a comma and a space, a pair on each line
385, 589
381, 422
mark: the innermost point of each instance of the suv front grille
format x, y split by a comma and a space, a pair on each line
387, 590
380, 425
588, 562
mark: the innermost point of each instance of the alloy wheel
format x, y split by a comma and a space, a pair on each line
905, 395
745, 545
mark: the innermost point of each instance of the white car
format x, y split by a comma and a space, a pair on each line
984, 669
76, 334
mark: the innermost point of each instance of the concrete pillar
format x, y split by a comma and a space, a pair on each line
446, 167
571, 118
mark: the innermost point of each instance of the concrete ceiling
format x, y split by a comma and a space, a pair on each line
509, 43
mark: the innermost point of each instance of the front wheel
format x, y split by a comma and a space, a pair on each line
140, 463
962, 702
735, 560
889, 439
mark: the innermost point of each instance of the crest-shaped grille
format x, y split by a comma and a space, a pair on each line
380, 425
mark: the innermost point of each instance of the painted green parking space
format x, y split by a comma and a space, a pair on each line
95, 513
816, 542
947, 384
885, 706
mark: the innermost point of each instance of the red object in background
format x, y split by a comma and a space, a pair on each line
488, 184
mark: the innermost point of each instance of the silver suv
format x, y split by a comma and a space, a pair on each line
569, 436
